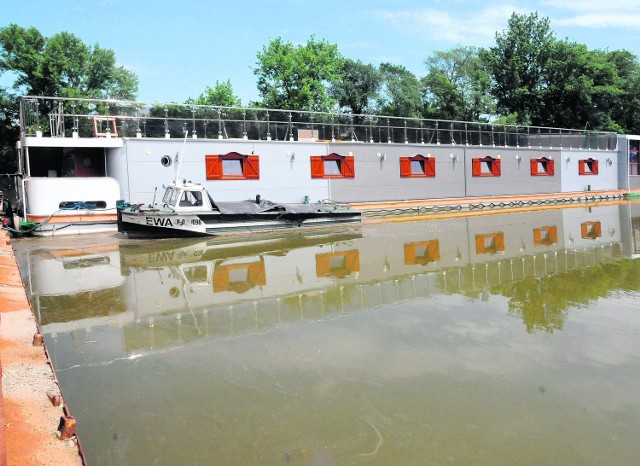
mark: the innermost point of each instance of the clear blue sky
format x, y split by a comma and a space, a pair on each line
177, 48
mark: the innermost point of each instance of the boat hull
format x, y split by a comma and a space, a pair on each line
145, 224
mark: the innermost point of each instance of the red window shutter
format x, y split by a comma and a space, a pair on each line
594, 167
550, 168
476, 167
317, 167
405, 167
430, 166
534, 167
581, 164
348, 167
495, 167
252, 167
213, 167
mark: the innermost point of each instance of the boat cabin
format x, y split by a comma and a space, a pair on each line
186, 197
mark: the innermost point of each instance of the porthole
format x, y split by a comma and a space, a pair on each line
166, 161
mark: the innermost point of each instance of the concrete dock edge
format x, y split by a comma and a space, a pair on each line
30, 421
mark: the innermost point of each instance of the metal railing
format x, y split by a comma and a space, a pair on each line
69, 117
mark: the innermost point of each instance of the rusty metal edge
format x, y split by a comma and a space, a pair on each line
65, 408
3, 440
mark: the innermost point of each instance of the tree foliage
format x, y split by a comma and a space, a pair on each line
544, 81
298, 77
400, 92
457, 86
9, 132
357, 90
62, 65
221, 94
517, 64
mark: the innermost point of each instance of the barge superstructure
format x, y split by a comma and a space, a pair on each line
78, 157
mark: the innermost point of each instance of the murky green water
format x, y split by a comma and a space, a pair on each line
498, 339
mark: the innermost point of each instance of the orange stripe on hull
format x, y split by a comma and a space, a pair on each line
73, 218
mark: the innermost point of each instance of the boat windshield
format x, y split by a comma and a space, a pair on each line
167, 195
191, 199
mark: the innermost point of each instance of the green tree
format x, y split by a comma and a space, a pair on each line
625, 111
582, 88
357, 90
456, 86
221, 94
400, 92
62, 65
9, 132
298, 77
517, 65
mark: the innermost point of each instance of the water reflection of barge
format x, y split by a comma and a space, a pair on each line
203, 291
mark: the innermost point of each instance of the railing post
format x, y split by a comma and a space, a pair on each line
166, 123
268, 127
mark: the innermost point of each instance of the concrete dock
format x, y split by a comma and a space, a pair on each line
30, 392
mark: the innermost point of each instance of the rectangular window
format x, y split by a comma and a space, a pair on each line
167, 195
417, 166
542, 167
545, 236
490, 243
588, 167
332, 166
634, 158
232, 166
486, 166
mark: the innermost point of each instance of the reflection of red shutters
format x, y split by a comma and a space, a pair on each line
254, 274
252, 167
213, 167
317, 167
422, 253
348, 167
337, 264
591, 230
476, 167
545, 236
490, 243
405, 167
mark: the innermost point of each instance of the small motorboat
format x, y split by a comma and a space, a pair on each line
188, 210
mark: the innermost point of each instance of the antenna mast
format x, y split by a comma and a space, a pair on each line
180, 156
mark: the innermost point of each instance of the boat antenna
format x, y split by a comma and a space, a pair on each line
180, 156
